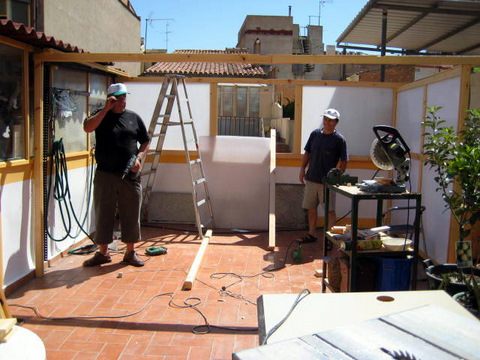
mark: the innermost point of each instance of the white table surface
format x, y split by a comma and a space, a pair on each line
22, 344
324, 311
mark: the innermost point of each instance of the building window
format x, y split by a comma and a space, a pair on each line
242, 101
16, 10
11, 103
239, 110
69, 107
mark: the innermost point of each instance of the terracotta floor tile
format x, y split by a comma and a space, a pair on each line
167, 350
111, 351
83, 355
61, 354
199, 353
160, 331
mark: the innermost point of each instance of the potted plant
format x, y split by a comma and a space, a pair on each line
455, 159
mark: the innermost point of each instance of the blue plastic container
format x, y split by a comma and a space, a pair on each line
393, 274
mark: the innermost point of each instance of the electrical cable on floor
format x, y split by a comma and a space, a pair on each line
302, 295
187, 302
192, 303
35, 310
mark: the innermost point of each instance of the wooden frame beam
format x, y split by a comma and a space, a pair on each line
258, 59
38, 217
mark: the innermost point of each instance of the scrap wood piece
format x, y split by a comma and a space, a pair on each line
187, 285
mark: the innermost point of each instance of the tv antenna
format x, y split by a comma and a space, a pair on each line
320, 5
149, 21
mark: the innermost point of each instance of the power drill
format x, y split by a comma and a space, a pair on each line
130, 165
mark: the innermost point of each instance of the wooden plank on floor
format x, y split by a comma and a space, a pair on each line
273, 165
188, 284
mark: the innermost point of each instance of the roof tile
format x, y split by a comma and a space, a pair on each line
207, 68
28, 35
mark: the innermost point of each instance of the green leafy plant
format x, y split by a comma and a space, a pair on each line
289, 109
455, 159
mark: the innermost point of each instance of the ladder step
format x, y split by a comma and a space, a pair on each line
170, 96
199, 181
148, 172
201, 202
157, 135
164, 116
153, 153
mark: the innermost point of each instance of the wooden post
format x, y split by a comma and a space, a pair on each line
271, 215
38, 168
188, 284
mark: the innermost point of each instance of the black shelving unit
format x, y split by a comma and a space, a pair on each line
356, 195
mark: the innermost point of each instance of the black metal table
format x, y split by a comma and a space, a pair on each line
356, 195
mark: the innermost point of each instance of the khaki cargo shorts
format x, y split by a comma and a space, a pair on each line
313, 196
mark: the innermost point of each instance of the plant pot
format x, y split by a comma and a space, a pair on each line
468, 301
435, 272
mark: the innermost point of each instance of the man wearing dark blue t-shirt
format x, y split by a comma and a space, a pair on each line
118, 132
325, 149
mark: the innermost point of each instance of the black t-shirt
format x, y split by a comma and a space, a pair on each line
117, 137
325, 152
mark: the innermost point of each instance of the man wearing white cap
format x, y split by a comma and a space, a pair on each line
117, 132
326, 149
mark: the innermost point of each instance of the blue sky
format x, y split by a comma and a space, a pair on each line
214, 24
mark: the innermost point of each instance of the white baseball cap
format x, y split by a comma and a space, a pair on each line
332, 114
117, 89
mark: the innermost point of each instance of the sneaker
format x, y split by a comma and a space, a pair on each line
308, 239
133, 259
97, 259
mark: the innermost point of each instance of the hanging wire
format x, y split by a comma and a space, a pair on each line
61, 193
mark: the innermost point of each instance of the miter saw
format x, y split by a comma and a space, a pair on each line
388, 152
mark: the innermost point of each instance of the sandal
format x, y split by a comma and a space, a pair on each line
98, 259
307, 239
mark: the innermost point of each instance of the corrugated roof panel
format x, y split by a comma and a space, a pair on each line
470, 36
417, 25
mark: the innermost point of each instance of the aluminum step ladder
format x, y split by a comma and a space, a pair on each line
174, 91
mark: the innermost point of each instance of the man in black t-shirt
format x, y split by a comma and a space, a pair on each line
325, 149
117, 132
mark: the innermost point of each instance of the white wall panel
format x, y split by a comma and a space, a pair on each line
143, 98
447, 95
238, 172
409, 117
16, 230
360, 109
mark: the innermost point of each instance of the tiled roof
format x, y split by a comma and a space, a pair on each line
28, 35
207, 68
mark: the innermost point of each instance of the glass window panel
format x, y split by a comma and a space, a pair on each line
19, 12
241, 101
11, 104
227, 101
69, 108
98, 92
98, 96
3, 9
254, 102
